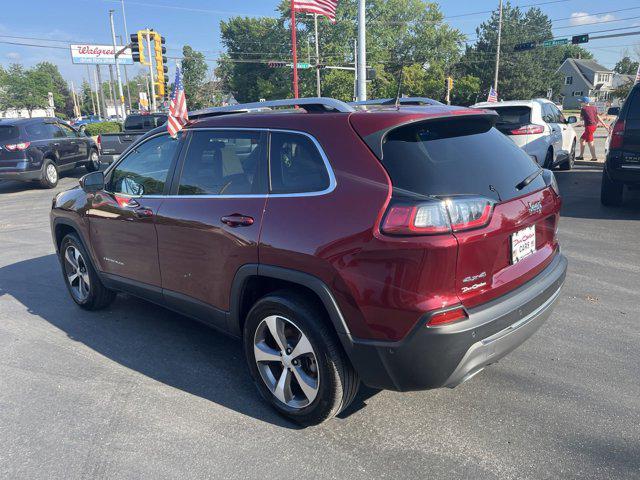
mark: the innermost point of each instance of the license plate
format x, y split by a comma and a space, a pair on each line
523, 243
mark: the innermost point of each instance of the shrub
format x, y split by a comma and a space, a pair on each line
93, 129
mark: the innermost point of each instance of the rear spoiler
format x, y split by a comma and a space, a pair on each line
375, 140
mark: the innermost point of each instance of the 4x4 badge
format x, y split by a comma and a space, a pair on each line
534, 207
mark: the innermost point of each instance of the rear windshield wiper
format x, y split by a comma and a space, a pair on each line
528, 180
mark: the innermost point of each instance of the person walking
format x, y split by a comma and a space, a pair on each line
590, 120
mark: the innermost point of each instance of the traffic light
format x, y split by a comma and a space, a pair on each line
520, 47
137, 47
448, 82
576, 39
161, 65
276, 64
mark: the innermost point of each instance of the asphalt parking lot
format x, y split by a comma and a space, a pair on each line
136, 391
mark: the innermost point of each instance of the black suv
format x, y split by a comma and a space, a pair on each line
622, 166
38, 149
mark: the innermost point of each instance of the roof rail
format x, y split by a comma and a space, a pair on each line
402, 101
311, 104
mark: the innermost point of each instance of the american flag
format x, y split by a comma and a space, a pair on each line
178, 116
493, 96
321, 7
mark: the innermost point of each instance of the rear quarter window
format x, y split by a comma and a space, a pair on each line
456, 157
8, 132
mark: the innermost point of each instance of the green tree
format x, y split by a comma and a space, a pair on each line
523, 74
626, 66
55, 84
194, 69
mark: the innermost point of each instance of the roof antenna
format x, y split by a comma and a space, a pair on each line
399, 87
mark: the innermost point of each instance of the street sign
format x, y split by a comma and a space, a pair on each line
555, 43
99, 55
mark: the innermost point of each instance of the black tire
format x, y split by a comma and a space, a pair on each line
50, 174
337, 382
93, 162
548, 160
98, 296
611, 192
568, 163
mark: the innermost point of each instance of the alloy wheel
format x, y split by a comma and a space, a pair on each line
77, 273
94, 159
52, 173
286, 361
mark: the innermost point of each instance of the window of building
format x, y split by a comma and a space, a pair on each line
568, 81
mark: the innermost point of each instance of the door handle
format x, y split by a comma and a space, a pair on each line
237, 220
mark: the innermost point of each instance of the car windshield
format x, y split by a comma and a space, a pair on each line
144, 122
8, 132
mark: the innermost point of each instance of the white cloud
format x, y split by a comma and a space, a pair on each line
15, 56
584, 18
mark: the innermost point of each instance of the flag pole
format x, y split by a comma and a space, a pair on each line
294, 49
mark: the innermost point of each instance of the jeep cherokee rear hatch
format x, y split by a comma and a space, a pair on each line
455, 174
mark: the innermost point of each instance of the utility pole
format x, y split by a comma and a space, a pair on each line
315, 24
153, 87
362, 52
93, 104
100, 92
126, 77
120, 112
355, 70
495, 80
126, 35
112, 90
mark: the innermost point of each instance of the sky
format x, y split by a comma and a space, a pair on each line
56, 23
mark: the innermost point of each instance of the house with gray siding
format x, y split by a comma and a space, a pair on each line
585, 78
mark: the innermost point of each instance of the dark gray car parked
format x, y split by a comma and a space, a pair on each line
38, 149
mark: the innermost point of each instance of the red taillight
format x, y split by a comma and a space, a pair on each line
447, 317
433, 217
617, 135
99, 142
532, 129
17, 146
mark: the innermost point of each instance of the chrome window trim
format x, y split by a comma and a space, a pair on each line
332, 178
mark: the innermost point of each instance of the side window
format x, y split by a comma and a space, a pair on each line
547, 113
144, 171
55, 131
37, 131
223, 163
67, 131
296, 165
558, 114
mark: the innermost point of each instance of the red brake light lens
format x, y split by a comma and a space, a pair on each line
99, 141
449, 316
531, 129
17, 146
617, 135
433, 217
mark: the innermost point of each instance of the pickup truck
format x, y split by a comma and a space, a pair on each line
112, 145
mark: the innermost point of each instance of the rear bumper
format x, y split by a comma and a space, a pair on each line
24, 174
628, 174
445, 356
107, 159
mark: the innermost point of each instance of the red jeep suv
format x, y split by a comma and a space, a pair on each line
403, 247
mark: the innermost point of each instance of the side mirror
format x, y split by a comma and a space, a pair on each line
92, 182
572, 119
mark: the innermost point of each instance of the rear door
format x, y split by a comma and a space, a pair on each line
210, 225
122, 217
457, 158
77, 145
61, 144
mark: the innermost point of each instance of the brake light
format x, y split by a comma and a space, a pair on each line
437, 216
17, 146
617, 135
99, 142
449, 316
531, 129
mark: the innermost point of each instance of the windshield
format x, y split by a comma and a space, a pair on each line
144, 122
457, 156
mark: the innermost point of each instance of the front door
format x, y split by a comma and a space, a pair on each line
122, 216
210, 225
77, 147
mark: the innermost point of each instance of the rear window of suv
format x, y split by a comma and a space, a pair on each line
8, 132
455, 157
144, 122
516, 115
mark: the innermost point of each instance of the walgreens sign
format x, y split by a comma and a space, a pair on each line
99, 54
